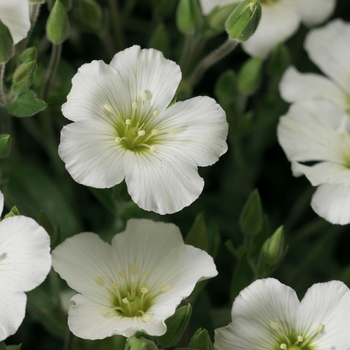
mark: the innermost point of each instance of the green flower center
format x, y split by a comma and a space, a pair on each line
293, 341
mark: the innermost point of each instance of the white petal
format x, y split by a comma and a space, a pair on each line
324, 172
261, 304
327, 304
328, 48
199, 129
164, 181
15, 15
332, 202
314, 130
25, 252
279, 20
97, 93
91, 155
82, 258
296, 86
1, 202
12, 311
313, 12
147, 71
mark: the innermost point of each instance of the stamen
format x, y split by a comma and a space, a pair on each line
173, 131
3, 256
117, 139
128, 121
166, 287
108, 108
133, 268
141, 133
155, 132
319, 328
105, 312
152, 148
283, 346
122, 274
300, 339
155, 114
146, 273
134, 105
144, 290
145, 95
99, 280
274, 326
125, 300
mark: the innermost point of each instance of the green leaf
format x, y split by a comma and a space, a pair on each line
14, 347
176, 326
13, 212
251, 216
198, 234
26, 105
201, 340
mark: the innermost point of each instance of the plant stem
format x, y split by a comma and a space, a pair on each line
222, 51
2, 93
54, 60
116, 24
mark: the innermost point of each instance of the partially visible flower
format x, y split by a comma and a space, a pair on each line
328, 47
15, 15
124, 128
319, 131
25, 261
134, 284
268, 315
280, 20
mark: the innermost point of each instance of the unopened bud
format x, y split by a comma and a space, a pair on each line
273, 247
249, 77
57, 26
200, 340
244, 20
218, 16
27, 55
135, 343
6, 43
189, 16
23, 77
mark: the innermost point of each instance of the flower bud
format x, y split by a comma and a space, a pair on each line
244, 20
23, 77
251, 216
27, 55
189, 16
274, 246
5, 145
201, 340
249, 77
135, 343
57, 26
6, 43
218, 16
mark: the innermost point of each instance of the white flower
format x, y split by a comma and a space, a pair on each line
124, 128
133, 284
25, 261
15, 15
319, 131
267, 315
280, 20
328, 47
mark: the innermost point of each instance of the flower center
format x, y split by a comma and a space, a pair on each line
293, 341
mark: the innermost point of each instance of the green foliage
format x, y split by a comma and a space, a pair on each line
26, 105
201, 340
198, 234
23, 77
176, 326
6, 43
29, 54
250, 76
188, 16
13, 212
250, 219
5, 145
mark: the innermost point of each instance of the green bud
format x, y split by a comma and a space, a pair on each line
23, 77
218, 16
176, 326
160, 39
273, 247
13, 212
279, 61
201, 340
135, 343
189, 16
27, 55
244, 20
57, 26
251, 216
91, 12
225, 86
6, 43
66, 3
5, 145
250, 75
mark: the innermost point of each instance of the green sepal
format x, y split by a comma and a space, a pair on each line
14, 347
26, 105
5, 145
201, 340
244, 20
251, 217
189, 16
250, 76
198, 234
13, 212
218, 16
6, 43
135, 343
57, 25
23, 77
176, 326
29, 54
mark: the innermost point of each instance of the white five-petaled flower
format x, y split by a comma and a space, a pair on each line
124, 128
15, 15
328, 47
319, 131
280, 20
25, 261
133, 284
268, 315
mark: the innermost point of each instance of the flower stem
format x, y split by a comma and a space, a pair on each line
116, 24
2, 93
222, 51
54, 60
